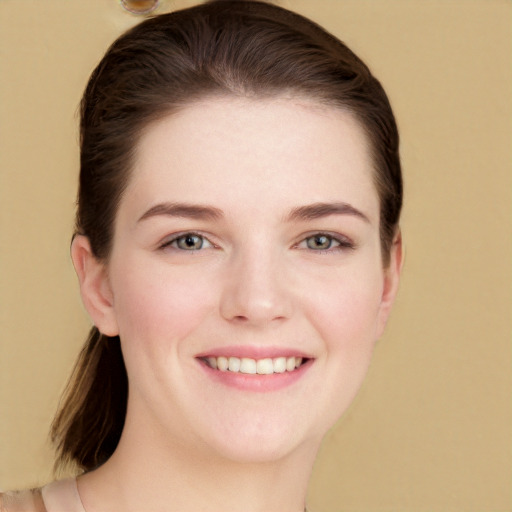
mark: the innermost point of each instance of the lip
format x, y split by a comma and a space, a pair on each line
253, 352
255, 382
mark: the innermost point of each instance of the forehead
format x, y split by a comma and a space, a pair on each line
255, 151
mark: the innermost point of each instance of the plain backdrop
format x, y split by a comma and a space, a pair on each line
431, 428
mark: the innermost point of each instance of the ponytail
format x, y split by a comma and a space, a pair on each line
90, 419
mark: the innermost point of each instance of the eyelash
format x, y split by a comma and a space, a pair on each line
342, 243
189, 234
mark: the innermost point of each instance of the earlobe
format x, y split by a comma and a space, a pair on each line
94, 286
391, 281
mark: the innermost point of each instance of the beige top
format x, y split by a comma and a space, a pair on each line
59, 496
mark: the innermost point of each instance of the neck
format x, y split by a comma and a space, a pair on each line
155, 477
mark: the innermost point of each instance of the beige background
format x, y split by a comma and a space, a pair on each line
431, 429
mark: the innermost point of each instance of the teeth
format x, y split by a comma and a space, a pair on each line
264, 366
249, 366
280, 364
222, 363
234, 364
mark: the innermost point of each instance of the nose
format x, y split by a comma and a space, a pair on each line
256, 291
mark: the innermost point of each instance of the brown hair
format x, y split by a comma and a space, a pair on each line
227, 47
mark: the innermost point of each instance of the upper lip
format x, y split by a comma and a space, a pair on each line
253, 352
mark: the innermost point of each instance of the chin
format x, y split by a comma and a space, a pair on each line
263, 440
264, 450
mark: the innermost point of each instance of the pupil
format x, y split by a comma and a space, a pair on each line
191, 242
320, 242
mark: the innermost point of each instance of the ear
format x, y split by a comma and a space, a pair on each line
391, 281
94, 286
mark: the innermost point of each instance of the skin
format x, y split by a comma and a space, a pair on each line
192, 442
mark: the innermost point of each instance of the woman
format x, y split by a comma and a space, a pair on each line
238, 250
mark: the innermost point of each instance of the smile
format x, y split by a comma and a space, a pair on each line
246, 365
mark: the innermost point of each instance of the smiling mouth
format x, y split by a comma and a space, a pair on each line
248, 366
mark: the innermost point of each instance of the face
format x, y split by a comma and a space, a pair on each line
246, 278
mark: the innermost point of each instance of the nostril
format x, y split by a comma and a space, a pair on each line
258, 300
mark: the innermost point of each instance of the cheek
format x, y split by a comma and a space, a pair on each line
347, 327
345, 315
159, 308
345, 310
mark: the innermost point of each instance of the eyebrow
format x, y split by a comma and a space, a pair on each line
320, 210
190, 211
205, 212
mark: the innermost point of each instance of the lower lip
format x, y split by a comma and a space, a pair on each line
256, 382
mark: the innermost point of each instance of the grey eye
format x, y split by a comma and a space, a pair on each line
319, 242
190, 242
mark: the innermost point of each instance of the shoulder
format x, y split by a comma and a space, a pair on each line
58, 496
22, 501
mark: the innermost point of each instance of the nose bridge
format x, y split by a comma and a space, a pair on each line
255, 290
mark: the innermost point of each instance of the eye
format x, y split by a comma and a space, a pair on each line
188, 242
324, 242
319, 242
